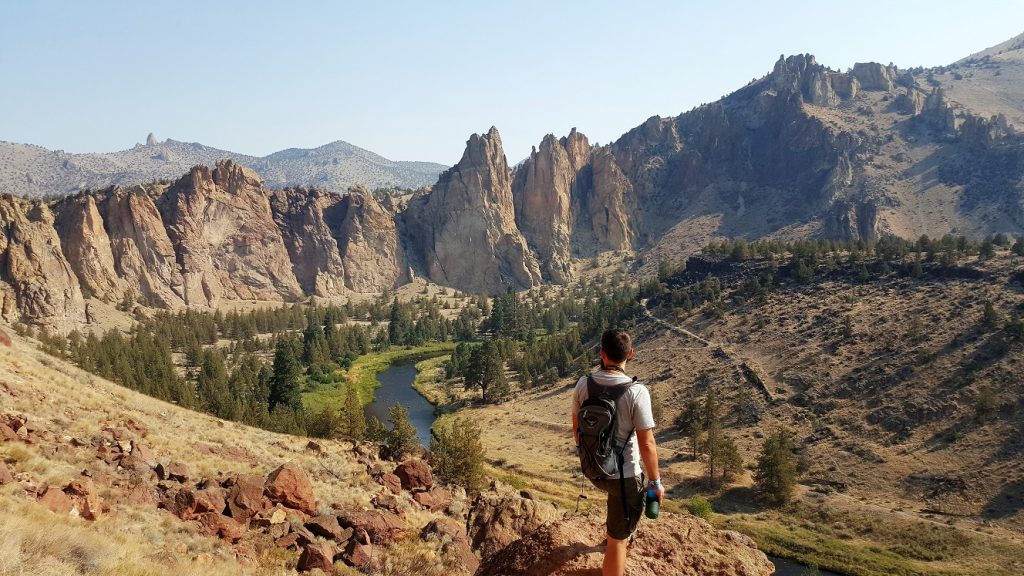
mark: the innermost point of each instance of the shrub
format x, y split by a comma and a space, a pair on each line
700, 507
457, 454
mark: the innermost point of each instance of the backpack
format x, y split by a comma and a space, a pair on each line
601, 457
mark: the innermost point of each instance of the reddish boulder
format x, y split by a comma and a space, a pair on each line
290, 486
435, 499
391, 482
140, 495
5, 340
14, 421
414, 475
221, 526
177, 471
328, 527
317, 557
385, 501
86, 498
359, 555
379, 526
211, 499
455, 543
144, 453
245, 497
288, 541
6, 476
7, 434
55, 500
181, 503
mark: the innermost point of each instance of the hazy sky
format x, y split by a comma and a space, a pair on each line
412, 80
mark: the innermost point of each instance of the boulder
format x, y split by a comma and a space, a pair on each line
56, 500
319, 556
289, 485
6, 476
145, 454
497, 519
181, 502
245, 497
178, 472
414, 475
211, 499
7, 434
5, 340
677, 545
360, 555
385, 501
391, 482
454, 543
86, 498
327, 526
435, 499
221, 526
378, 526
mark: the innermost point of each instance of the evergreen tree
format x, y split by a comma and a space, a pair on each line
691, 424
212, 387
1018, 247
714, 440
284, 384
732, 462
989, 317
375, 430
775, 475
401, 439
457, 454
354, 427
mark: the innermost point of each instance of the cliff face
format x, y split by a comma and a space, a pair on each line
465, 230
38, 283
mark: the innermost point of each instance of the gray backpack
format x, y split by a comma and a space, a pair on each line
601, 456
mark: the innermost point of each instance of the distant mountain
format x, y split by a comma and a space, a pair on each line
33, 171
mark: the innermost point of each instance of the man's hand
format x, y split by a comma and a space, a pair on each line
658, 490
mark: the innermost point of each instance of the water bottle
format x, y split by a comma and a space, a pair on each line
653, 507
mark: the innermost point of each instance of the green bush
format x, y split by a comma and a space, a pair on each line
700, 507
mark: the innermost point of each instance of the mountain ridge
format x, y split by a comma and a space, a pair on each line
30, 170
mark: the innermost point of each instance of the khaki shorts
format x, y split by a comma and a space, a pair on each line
621, 525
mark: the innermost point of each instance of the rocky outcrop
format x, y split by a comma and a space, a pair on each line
543, 190
910, 102
501, 516
38, 284
225, 239
465, 231
678, 545
371, 254
874, 76
302, 215
142, 251
87, 247
853, 221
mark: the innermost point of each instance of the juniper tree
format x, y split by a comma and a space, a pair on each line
457, 453
775, 475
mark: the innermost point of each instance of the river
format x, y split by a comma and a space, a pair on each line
396, 387
785, 567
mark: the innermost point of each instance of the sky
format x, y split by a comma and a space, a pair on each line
412, 80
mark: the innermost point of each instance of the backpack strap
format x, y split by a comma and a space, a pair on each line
613, 393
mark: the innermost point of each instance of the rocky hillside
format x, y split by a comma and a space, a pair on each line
97, 479
33, 171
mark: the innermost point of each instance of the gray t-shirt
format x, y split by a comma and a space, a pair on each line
633, 409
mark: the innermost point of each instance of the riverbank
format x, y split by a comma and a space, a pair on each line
363, 374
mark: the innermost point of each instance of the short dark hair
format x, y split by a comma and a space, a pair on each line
616, 344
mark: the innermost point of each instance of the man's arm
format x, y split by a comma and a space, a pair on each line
575, 428
649, 455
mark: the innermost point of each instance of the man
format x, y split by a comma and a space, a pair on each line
635, 432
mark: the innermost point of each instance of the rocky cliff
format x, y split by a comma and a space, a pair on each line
465, 232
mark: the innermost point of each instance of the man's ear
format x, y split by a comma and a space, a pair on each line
629, 355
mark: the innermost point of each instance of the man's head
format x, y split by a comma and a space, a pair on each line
616, 347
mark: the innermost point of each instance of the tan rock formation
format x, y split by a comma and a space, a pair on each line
874, 76
87, 247
543, 191
302, 216
465, 230
225, 238
368, 240
611, 204
677, 545
39, 286
143, 254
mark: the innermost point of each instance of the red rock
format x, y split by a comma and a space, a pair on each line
317, 557
86, 498
380, 526
288, 542
221, 526
328, 527
55, 500
435, 499
140, 429
140, 495
178, 472
385, 501
8, 435
212, 499
5, 340
6, 476
245, 497
455, 542
359, 555
133, 463
181, 503
13, 421
391, 482
414, 475
290, 486
144, 453
276, 531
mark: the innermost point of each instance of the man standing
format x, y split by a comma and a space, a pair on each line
633, 435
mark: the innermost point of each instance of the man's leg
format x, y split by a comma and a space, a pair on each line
614, 558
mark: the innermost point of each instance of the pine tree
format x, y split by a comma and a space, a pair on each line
691, 424
732, 462
375, 430
775, 475
457, 454
212, 387
284, 384
401, 439
989, 317
354, 427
